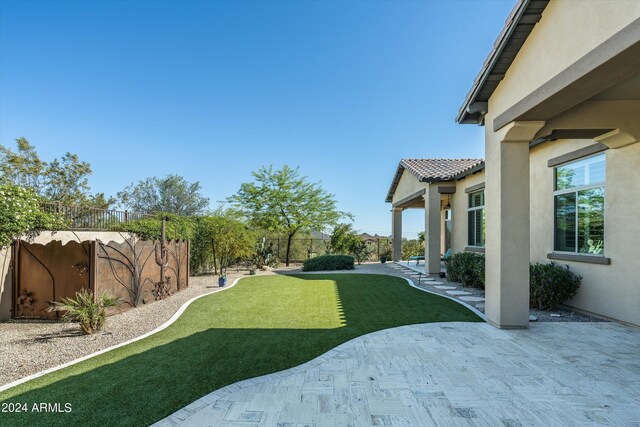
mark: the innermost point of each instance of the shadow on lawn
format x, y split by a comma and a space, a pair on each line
148, 380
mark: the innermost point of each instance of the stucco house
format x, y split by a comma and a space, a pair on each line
441, 187
559, 99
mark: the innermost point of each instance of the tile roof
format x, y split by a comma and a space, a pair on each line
432, 170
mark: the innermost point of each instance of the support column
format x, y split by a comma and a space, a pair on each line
396, 233
507, 224
432, 230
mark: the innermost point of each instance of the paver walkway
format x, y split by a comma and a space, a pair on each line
450, 374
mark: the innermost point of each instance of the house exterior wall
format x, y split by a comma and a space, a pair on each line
459, 206
407, 186
581, 25
609, 290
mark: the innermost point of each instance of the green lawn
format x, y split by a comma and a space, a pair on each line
261, 325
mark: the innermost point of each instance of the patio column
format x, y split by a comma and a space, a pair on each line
432, 230
396, 233
507, 224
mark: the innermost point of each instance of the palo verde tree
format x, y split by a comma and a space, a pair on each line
283, 201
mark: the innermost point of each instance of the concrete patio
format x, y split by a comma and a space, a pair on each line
450, 374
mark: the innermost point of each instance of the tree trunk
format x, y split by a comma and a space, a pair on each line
289, 238
215, 262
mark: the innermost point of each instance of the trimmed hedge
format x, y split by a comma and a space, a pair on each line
466, 268
550, 285
329, 262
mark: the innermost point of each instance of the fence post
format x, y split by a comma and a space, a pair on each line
126, 216
93, 268
15, 276
188, 262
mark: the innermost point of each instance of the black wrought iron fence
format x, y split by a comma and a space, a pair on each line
86, 218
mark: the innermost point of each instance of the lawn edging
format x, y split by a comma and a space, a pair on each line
165, 325
470, 307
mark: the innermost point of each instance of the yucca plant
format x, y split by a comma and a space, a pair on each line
83, 309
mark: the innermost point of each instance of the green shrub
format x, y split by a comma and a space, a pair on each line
551, 284
360, 251
466, 268
412, 248
329, 262
91, 314
21, 216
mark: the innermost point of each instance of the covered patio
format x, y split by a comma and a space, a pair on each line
432, 185
547, 109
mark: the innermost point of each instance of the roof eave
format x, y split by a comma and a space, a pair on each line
470, 171
466, 114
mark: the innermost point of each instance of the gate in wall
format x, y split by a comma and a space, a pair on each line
136, 271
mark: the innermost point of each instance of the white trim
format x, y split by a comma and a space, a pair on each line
576, 190
165, 325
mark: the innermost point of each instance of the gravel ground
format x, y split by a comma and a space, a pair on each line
33, 346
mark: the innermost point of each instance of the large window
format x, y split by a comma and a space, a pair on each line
476, 219
579, 206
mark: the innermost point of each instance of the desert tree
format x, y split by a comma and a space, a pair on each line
284, 201
172, 194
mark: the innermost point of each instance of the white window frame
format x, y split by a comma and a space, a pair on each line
575, 190
475, 223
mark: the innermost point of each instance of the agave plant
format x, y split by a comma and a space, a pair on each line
91, 314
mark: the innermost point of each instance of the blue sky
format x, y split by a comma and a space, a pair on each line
212, 90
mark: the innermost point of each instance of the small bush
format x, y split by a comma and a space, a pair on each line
551, 284
91, 314
412, 248
466, 268
329, 262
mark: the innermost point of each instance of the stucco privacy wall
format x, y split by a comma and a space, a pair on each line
459, 205
610, 290
407, 186
79, 236
581, 25
5, 283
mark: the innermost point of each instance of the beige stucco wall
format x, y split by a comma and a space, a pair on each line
79, 236
459, 205
407, 186
5, 283
610, 290
580, 25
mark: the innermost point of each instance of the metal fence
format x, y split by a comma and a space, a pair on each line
305, 248
85, 218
